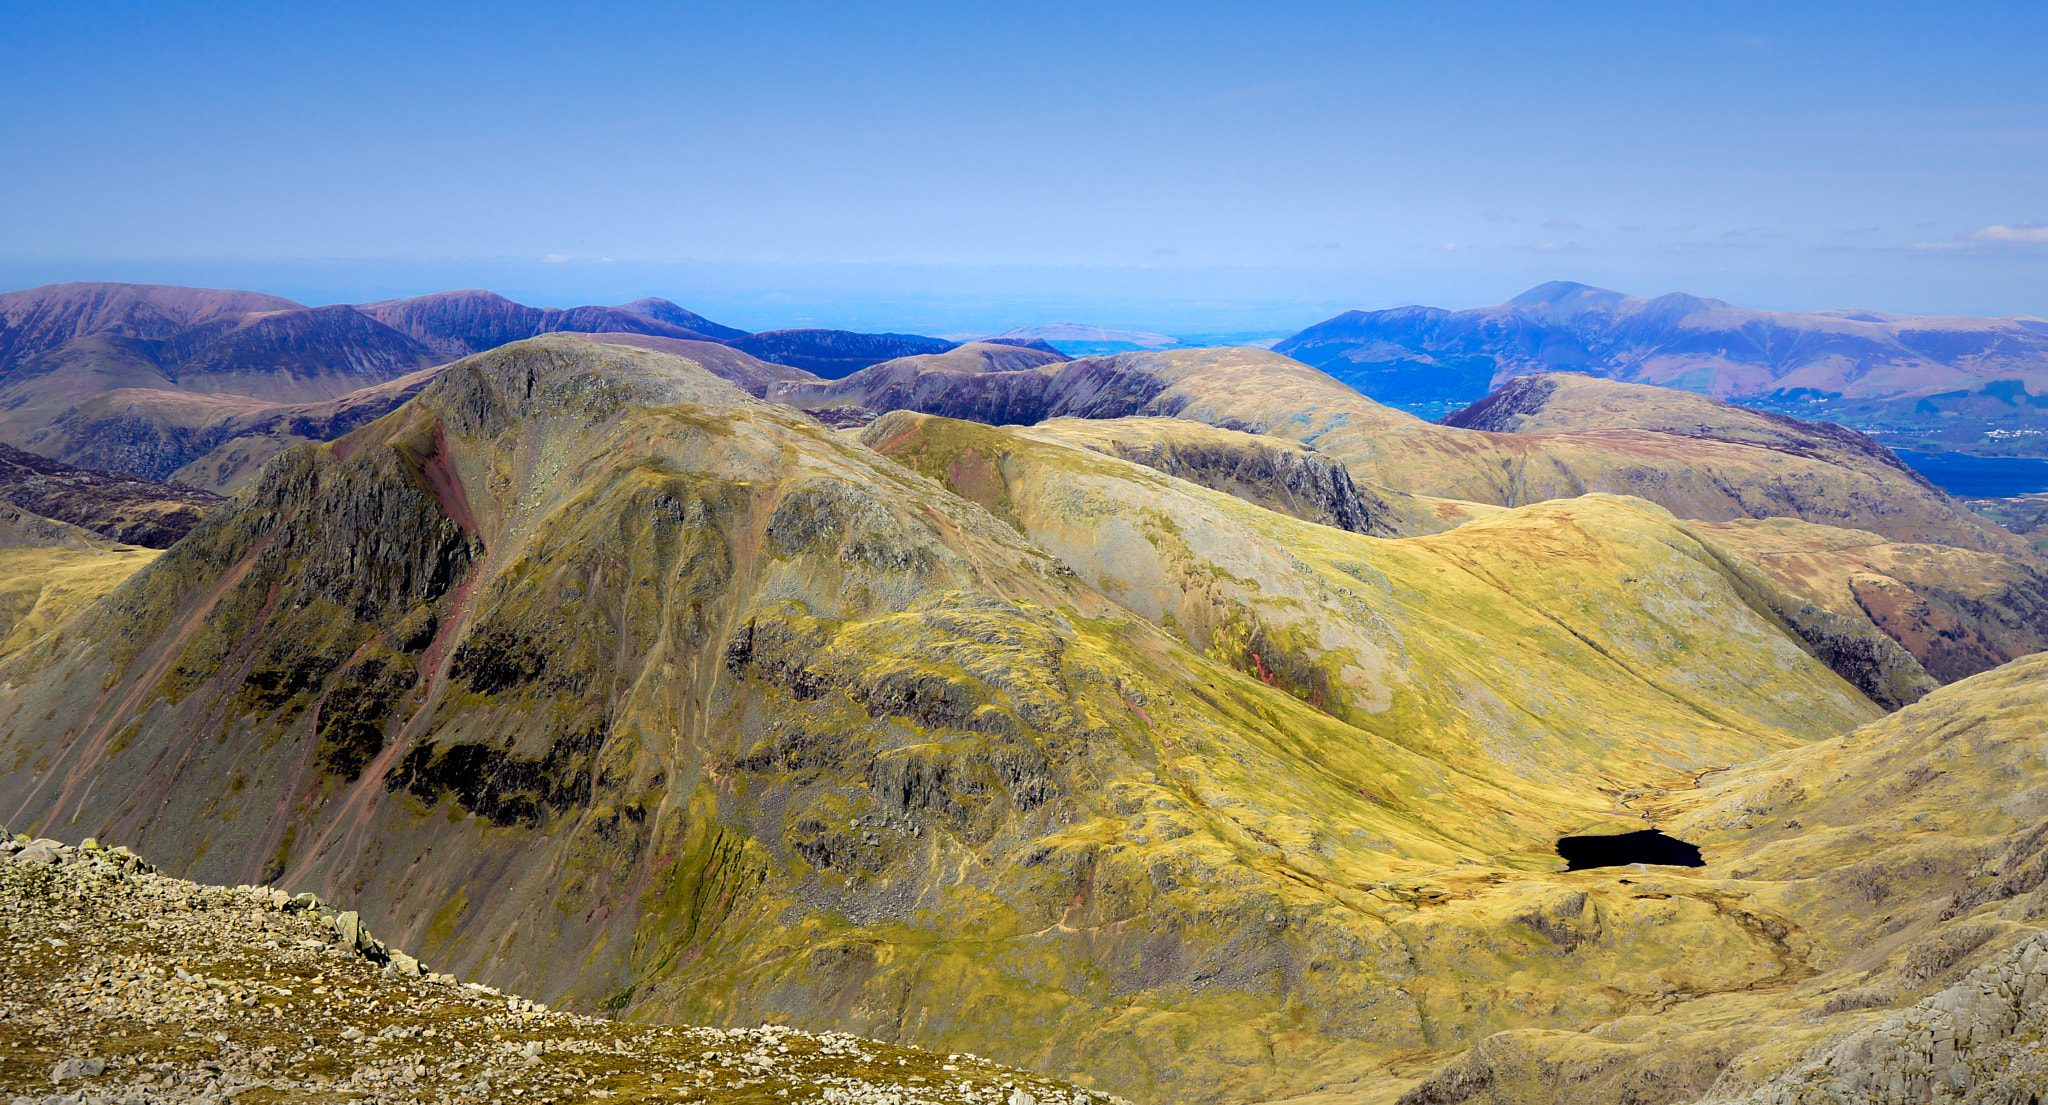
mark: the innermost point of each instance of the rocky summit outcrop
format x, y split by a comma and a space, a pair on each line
650, 697
120, 986
1977, 1041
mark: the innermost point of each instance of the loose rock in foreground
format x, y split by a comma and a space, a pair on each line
119, 985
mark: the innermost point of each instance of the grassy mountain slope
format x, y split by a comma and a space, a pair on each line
935, 379
1695, 472
290, 356
1902, 866
1274, 473
51, 570
653, 695
662, 310
210, 441
1737, 464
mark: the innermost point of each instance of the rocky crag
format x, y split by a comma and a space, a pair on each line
121, 985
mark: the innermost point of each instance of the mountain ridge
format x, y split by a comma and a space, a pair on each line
676, 678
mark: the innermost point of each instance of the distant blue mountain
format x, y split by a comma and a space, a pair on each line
1429, 354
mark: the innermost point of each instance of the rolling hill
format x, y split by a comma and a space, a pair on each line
1694, 456
1423, 354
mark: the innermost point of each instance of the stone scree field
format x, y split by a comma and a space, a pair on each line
118, 984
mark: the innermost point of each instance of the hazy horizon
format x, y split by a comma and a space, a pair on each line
923, 166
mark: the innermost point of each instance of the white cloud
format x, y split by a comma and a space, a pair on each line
555, 258
2027, 233
1561, 224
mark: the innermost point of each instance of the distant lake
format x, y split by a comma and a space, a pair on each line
1971, 477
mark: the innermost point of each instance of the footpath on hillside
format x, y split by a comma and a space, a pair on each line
121, 985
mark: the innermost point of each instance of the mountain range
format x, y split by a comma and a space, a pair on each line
1078, 339
1424, 354
1180, 722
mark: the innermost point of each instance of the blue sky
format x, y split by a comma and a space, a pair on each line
1189, 167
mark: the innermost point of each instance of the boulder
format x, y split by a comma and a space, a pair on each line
38, 854
68, 1069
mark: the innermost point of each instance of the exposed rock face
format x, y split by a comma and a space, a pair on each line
1977, 1041
117, 505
